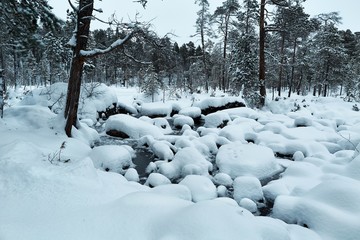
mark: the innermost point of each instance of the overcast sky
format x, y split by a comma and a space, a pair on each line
179, 16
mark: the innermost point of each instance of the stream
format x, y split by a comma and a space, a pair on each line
144, 156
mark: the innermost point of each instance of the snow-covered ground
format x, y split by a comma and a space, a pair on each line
205, 183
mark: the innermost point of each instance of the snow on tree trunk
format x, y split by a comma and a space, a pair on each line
2, 91
262, 54
81, 39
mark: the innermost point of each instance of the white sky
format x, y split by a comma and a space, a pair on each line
179, 16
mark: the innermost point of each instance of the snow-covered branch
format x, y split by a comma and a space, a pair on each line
96, 52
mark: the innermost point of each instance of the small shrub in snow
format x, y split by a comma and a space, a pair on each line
56, 157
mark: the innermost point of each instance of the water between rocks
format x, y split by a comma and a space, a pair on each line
144, 156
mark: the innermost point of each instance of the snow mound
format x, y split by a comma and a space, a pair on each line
127, 126
186, 161
218, 119
30, 117
193, 112
154, 109
201, 187
331, 209
112, 158
237, 159
247, 187
156, 179
180, 121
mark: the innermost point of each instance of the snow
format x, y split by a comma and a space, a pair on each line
201, 187
205, 183
180, 121
132, 126
238, 159
112, 158
193, 112
247, 187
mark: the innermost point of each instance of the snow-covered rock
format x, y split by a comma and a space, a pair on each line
217, 119
237, 159
201, 187
186, 161
247, 187
156, 179
180, 121
112, 158
127, 126
193, 112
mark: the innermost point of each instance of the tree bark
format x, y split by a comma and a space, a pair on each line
81, 35
292, 68
262, 54
2, 83
281, 63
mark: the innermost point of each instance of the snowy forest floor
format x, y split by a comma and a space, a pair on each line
206, 182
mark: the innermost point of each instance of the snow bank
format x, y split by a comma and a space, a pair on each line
331, 209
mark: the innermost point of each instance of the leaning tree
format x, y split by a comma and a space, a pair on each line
83, 12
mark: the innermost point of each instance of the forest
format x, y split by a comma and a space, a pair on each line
302, 54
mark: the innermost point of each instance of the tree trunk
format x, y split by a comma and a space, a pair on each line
2, 83
281, 64
292, 68
74, 85
262, 54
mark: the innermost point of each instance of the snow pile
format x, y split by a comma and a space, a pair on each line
213, 104
193, 112
201, 187
237, 159
331, 209
112, 158
180, 121
155, 109
186, 161
94, 98
218, 119
129, 126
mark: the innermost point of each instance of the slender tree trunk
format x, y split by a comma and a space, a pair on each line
292, 68
262, 54
224, 84
2, 83
74, 85
281, 64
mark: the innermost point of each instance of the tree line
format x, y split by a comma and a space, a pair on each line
250, 48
